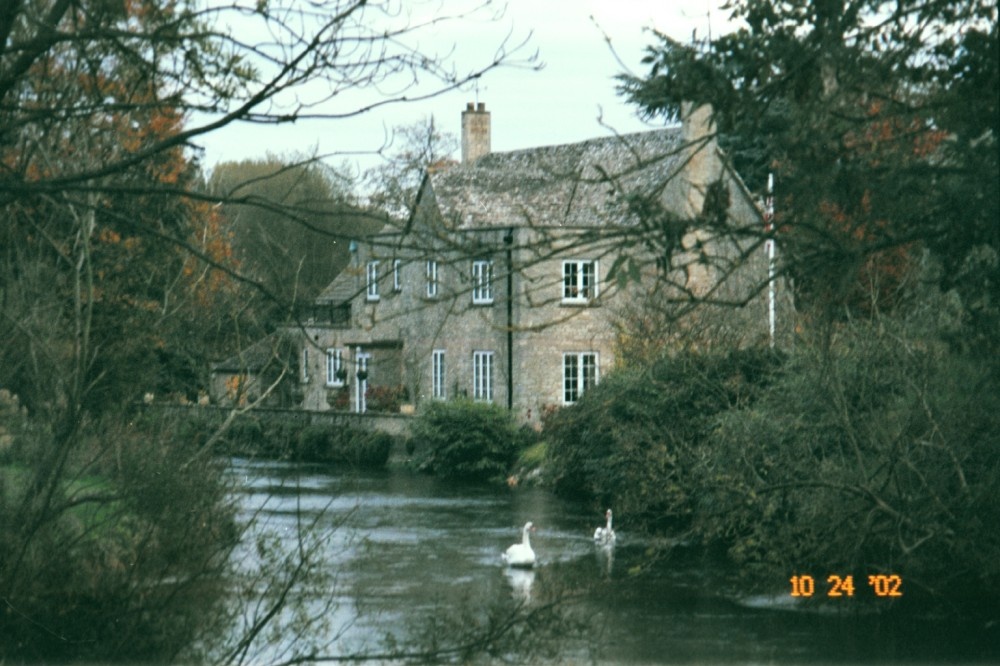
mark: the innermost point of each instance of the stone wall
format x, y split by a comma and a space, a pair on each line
393, 424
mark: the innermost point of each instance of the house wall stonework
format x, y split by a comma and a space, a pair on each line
527, 213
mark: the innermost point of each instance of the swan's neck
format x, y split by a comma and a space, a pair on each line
524, 537
609, 522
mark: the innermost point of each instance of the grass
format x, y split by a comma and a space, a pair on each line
533, 456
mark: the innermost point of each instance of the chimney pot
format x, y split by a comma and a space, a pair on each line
475, 132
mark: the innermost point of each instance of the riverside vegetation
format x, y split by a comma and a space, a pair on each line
872, 452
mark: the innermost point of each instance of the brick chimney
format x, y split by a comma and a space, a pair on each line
703, 166
475, 132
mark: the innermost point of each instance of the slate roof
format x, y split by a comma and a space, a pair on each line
565, 185
344, 287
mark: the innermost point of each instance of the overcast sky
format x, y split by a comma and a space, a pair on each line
566, 101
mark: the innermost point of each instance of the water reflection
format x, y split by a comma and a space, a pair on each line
520, 581
605, 554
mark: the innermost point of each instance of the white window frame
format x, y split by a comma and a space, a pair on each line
371, 280
362, 363
439, 376
305, 366
575, 378
482, 376
574, 285
397, 281
482, 282
432, 278
334, 362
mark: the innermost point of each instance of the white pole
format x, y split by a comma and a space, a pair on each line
769, 246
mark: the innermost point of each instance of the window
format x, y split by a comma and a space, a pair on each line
335, 370
326, 312
340, 315
397, 282
579, 281
482, 376
432, 279
438, 376
579, 374
372, 280
305, 365
482, 282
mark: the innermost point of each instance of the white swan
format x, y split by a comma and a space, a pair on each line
520, 554
605, 536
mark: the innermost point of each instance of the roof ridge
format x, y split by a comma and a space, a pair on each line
569, 144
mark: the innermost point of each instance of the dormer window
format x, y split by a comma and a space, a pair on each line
482, 282
372, 280
579, 281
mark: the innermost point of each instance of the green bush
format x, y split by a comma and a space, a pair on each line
123, 556
344, 445
247, 433
633, 441
462, 439
879, 454
871, 452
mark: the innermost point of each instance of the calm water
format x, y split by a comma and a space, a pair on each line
405, 549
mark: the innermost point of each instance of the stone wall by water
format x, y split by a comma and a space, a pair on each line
393, 424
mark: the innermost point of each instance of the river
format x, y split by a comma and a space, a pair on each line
405, 552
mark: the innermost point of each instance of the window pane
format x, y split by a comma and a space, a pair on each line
570, 378
432, 279
482, 278
488, 388
589, 375
372, 279
438, 374
569, 280
587, 279
482, 376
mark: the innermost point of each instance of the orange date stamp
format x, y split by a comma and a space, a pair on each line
843, 586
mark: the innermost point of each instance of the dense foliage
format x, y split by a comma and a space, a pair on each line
635, 441
462, 439
127, 557
367, 448
879, 121
872, 450
119, 279
290, 221
876, 453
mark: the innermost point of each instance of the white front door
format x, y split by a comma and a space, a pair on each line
361, 380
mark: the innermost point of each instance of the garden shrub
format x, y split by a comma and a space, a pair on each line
634, 440
461, 439
121, 561
877, 454
365, 448
247, 433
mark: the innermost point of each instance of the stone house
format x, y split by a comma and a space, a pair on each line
504, 282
